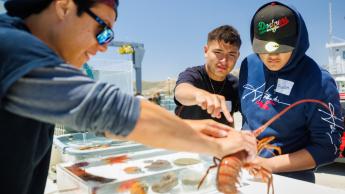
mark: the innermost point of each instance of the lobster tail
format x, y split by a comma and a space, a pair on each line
229, 172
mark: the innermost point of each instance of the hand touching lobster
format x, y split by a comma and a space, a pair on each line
229, 166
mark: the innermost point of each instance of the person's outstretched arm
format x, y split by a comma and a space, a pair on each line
64, 95
159, 128
189, 95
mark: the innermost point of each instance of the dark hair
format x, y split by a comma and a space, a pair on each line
25, 8
225, 33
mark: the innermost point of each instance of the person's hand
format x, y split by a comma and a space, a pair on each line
210, 127
264, 162
214, 104
259, 167
237, 141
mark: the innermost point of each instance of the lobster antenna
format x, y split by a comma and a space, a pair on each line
259, 130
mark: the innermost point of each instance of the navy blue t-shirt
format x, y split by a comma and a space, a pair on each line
198, 77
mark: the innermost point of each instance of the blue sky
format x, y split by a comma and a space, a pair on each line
175, 31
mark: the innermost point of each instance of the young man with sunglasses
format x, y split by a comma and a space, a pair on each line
209, 91
43, 43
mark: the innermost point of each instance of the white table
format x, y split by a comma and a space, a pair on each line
282, 185
285, 185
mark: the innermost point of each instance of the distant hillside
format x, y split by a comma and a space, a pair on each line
150, 88
163, 87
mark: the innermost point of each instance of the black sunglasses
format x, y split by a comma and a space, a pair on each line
107, 34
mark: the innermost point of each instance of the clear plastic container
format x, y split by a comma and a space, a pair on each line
69, 145
117, 180
118, 72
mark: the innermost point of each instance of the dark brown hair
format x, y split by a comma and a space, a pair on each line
25, 8
225, 33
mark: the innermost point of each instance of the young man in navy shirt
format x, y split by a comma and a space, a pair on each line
209, 91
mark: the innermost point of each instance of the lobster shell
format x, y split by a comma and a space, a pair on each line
228, 171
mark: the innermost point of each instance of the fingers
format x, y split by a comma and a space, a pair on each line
214, 132
220, 126
214, 105
226, 112
216, 129
259, 168
250, 145
211, 103
237, 141
210, 127
207, 102
217, 107
201, 101
245, 141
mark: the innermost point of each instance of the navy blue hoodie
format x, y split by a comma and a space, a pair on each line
264, 93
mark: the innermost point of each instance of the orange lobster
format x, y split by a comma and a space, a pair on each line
229, 166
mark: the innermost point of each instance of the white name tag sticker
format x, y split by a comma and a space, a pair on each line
284, 86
